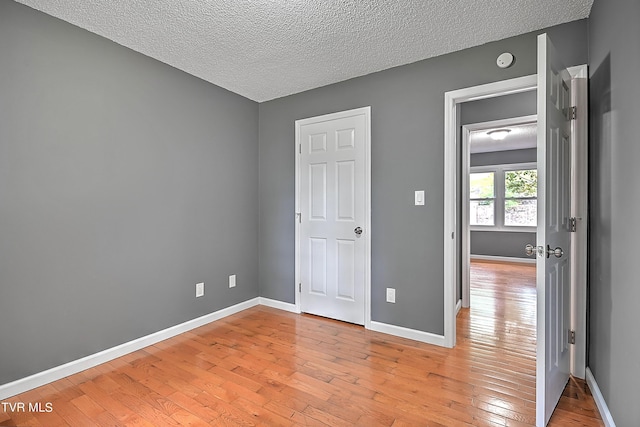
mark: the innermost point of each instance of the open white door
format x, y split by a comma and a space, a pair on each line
554, 230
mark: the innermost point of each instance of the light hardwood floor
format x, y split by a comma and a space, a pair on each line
268, 367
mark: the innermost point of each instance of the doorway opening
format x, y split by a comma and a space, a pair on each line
498, 204
499, 191
453, 190
498, 176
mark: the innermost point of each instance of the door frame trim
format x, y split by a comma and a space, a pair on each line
366, 111
452, 99
579, 209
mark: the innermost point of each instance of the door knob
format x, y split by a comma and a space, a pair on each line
358, 230
558, 252
530, 250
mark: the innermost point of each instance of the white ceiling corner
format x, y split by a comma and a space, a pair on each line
266, 49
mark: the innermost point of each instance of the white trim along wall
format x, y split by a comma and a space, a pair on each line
607, 418
50, 375
79, 365
511, 260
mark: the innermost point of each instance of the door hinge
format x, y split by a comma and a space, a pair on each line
573, 224
299, 148
299, 215
299, 287
572, 337
573, 113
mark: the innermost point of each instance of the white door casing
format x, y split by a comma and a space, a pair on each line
579, 211
554, 230
333, 230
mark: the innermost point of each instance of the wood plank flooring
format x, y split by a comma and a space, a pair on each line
273, 368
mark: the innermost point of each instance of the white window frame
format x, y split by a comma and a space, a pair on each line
499, 196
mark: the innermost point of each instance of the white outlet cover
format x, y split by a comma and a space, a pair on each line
232, 281
391, 295
199, 289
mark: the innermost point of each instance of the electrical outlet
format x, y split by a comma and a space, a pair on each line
391, 295
232, 281
199, 289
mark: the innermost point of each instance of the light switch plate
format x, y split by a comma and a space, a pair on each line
391, 295
232, 281
419, 198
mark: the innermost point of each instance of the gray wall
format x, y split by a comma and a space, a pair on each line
123, 182
407, 155
501, 107
614, 294
502, 243
527, 155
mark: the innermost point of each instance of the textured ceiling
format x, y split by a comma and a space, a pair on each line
265, 49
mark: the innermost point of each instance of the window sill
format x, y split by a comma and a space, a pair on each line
504, 229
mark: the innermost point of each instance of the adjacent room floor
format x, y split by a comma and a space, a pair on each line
268, 367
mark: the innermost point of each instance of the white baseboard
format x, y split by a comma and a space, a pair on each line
279, 305
503, 259
607, 418
73, 367
458, 306
36, 380
411, 334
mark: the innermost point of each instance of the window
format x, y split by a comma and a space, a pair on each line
520, 192
482, 198
503, 197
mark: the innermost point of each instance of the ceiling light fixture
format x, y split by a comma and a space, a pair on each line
499, 134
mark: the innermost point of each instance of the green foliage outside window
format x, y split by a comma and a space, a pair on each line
520, 183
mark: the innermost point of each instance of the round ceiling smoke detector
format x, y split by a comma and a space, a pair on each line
505, 60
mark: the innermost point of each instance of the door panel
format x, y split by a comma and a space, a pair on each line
346, 259
332, 205
318, 266
318, 191
345, 190
554, 203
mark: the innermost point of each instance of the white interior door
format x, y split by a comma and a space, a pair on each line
332, 200
554, 231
